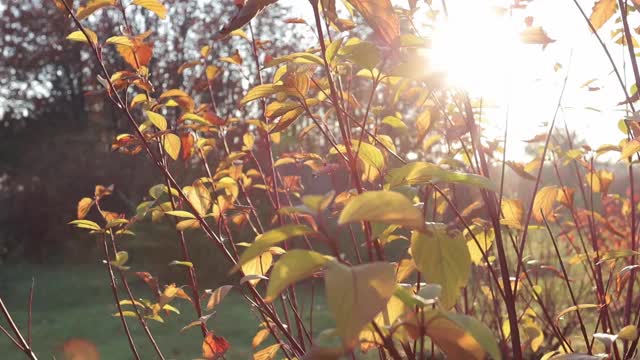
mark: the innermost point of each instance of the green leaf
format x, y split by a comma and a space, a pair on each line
270, 238
443, 258
85, 224
158, 120
388, 207
363, 54
188, 264
420, 173
332, 49
121, 259
262, 91
292, 267
355, 295
172, 143
181, 214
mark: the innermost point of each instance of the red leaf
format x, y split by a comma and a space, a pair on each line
213, 346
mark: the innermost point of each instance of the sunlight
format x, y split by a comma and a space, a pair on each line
477, 48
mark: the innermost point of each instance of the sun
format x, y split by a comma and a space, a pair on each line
477, 47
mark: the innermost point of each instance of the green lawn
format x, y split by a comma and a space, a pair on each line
76, 302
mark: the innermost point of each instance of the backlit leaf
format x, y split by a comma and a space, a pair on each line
293, 266
443, 258
120, 40
154, 6
267, 353
602, 11
92, 6
171, 143
79, 36
256, 268
543, 204
270, 238
381, 17
355, 295
156, 119
250, 9
388, 207
461, 336
199, 196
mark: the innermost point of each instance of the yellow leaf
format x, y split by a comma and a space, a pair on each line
92, 6
512, 211
267, 353
543, 203
80, 37
460, 336
171, 143
388, 207
212, 71
154, 6
355, 295
257, 267
217, 295
602, 11
199, 196
443, 258
270, 238
158, 120
260, 337
629, 149
120, 40
84, 205
485, 239
628, 333
293, 266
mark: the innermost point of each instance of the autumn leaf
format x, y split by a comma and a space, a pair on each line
80, 37
543, 203
217, 295
388, 207
213, 346
84, 205
154, 6
250, 9
535, 35
443, 258
355, 295
92, 6
381, 17
602, 11
171, 143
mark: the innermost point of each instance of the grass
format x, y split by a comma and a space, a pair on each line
76, 302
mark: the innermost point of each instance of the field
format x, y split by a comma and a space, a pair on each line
76, 302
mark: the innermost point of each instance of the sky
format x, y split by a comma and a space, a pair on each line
522, 80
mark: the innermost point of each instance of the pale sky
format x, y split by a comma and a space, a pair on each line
531, 87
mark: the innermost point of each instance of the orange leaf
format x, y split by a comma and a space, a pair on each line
213, 346
379, 14
84, 205
187, 145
